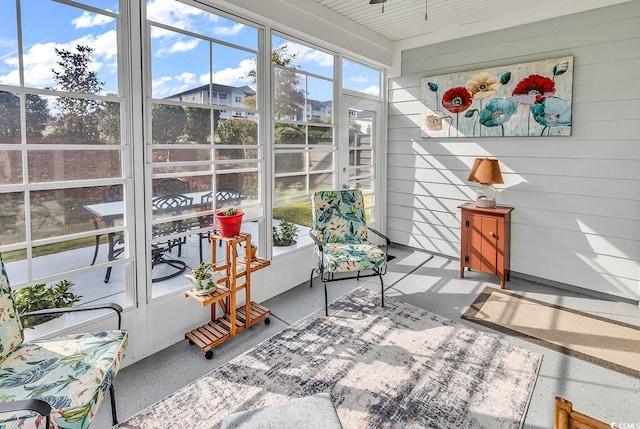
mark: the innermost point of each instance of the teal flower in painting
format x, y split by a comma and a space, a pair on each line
498, 111
552, 112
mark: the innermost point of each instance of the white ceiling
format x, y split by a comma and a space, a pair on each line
405, 19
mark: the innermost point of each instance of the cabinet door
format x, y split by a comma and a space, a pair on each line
483, 252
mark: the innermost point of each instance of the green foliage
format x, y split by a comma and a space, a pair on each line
237, 131
168, 123
229, 212
37, 114
79, 117
288, 97
40, 297
284, 235
202, 272
198, 127
289, 134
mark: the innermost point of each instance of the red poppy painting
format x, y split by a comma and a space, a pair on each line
528, 99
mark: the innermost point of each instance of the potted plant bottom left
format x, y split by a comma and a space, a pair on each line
41, 297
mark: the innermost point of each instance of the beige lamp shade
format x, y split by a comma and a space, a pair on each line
485, 171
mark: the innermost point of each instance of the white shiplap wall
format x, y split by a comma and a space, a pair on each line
577, 199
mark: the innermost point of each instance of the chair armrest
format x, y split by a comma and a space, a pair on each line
89, 307
381, 235
37, 405
315, 239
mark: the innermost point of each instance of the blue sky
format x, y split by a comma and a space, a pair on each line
179, 61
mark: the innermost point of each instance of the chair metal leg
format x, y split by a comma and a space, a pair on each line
113, 405
311, 278
201, 237
381, 289
95, 252
326, 302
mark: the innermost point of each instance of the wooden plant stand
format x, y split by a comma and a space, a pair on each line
233, 320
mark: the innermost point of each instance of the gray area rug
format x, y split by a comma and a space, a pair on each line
392, 367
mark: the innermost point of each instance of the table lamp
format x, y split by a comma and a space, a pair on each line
486, 172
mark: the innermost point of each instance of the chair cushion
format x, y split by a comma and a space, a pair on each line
72, 373
311, 412
339, 216
10, 328
343, 257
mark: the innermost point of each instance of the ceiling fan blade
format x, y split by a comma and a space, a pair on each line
376, 1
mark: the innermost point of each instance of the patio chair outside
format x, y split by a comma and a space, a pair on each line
172, 205
340, 233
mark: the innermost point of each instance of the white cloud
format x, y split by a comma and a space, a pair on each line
233, 76
358, 79
39, 59
179, 46
159, 86
11, 78
186, 77
105, 45
172, 13
228, 31
306, 54
87, 20
373, 90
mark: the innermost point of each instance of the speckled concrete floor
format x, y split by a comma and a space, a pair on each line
429, 282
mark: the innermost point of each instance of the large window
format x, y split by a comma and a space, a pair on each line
303, 130
124, 126
62, 142
202, 156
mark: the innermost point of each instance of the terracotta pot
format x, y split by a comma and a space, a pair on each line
252, 252
229, 226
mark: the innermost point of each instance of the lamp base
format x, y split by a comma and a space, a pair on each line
485, 203
485, 196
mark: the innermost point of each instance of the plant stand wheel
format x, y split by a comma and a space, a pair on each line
267, 321
208, 354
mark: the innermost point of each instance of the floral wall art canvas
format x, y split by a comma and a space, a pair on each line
528, 99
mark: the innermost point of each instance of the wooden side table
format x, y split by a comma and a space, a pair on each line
485, 240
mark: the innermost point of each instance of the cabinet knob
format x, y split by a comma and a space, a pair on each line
491, 233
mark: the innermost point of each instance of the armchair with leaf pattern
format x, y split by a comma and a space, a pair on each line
340, 233
57, 382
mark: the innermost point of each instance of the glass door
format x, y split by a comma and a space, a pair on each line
358, 149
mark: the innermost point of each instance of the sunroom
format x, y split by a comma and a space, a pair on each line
109, 105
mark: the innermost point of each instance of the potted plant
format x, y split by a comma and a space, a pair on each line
204, 278
252, 250
229, 222
284, 235
40, 297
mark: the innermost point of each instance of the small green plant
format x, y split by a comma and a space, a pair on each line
284, 234
229, 212
203, 274
40, 297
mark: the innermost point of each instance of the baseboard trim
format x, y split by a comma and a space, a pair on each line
573, 288
542, 281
